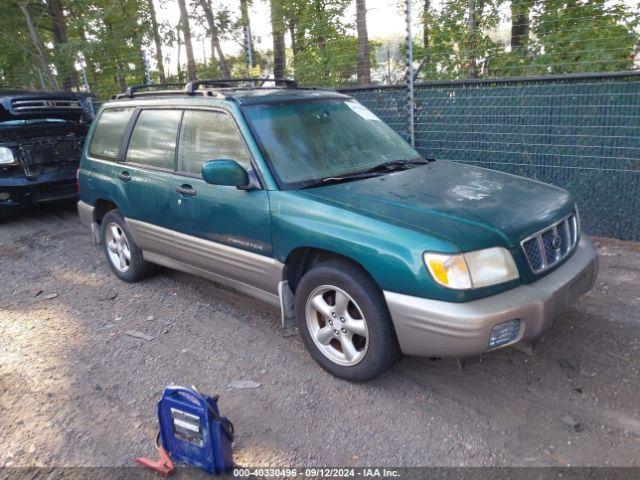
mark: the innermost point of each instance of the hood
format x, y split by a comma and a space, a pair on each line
470, 206
41, 105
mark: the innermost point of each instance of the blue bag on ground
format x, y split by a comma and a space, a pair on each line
192, 430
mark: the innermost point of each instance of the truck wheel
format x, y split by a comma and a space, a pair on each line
344, 322
123, 255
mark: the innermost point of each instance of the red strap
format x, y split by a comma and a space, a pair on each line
163, 466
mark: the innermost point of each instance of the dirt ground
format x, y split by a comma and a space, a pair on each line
75, 390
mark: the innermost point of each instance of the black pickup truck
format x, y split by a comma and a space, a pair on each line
41, 138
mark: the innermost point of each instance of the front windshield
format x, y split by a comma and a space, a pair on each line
306, 142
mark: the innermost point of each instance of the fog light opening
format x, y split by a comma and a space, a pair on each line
504, 333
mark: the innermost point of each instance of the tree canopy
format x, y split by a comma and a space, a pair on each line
110, 44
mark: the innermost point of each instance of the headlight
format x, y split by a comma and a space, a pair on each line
6, 155
473, 269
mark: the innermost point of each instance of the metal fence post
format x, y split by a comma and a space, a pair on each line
145, 63
409, 72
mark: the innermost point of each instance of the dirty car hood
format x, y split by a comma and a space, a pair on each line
470, 206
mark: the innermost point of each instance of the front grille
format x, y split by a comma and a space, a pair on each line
38, 104
547, 247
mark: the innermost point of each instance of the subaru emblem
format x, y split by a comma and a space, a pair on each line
50, 103
556, 241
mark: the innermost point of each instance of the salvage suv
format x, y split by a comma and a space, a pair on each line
305, 199
41, 138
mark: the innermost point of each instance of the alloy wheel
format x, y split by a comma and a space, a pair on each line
337, 325
118, 247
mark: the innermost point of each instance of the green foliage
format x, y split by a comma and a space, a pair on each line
323, 52
566, 36
464, 38
18, 60
584, 36
455, 49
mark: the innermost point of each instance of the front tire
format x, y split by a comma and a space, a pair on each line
344, 322
123, 255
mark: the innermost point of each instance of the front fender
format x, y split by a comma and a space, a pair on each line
392, 255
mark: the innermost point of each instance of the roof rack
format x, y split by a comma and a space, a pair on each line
131, 91
191, 87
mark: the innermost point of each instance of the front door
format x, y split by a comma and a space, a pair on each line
221, 229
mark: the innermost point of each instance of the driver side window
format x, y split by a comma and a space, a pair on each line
207, 135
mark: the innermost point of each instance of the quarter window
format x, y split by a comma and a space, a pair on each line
153, 141
207, 135
107, 134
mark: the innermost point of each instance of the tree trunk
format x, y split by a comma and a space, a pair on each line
520, 10
321, 43
122, 83
37, 43
157, 40
364, 62
188, 46
475, 8
215, 37
64, 64
277, 31
246, 30
294, 42
426, 24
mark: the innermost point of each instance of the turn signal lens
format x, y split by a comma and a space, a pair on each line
448, 270
473, 269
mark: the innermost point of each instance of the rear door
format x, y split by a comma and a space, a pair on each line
98, 172
148, 165
146, 176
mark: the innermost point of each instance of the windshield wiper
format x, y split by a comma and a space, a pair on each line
394, 165
381, 169
343, 178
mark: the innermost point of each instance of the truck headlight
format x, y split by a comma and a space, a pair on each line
473, 269
6, 155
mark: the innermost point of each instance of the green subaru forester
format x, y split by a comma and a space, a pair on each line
305, 199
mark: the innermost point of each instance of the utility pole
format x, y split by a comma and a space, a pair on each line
409, 72
145, 63
83, 71
246, 28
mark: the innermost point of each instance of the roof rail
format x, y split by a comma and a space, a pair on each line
131, 91
191, 87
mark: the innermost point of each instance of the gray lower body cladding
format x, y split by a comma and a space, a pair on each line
423, 326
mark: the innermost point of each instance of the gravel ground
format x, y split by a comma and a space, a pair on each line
77, 391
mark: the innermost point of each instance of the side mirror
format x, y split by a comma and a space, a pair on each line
225, 172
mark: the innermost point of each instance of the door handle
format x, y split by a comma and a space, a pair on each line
124, 176
186, 190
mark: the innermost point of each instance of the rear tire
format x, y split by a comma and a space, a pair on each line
123, 255
344, 322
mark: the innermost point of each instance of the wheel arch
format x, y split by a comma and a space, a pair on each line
301, 259
101, 208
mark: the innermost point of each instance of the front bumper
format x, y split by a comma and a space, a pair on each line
442, 329
51, 186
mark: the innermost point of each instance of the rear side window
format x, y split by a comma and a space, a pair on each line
207, 135
107, 134
153, 141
